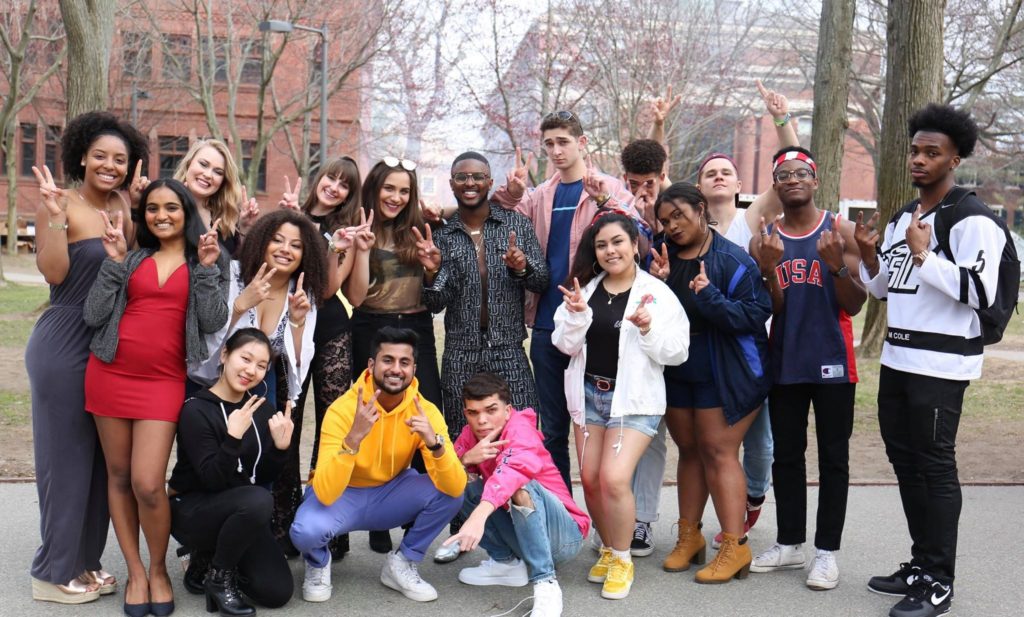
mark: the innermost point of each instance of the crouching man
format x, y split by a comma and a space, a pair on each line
363, 480
519, 510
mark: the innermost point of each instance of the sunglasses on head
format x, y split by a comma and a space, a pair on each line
565, 116
394, 161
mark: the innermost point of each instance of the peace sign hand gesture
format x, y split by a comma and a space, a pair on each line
113, 237
240, 419
281, 427
574, 299
661, 107
249, 208
428, 254
515, 182
364, 236
209, 248
298, 302
256, 291
514, 257
485, 449
659, 265
54, 198
138, 185
420, 425
290, 199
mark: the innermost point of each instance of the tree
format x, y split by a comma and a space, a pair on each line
831, 93
90, 33
22, 33
913, 78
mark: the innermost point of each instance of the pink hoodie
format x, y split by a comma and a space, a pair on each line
523, 459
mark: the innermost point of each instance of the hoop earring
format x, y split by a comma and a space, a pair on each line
636, 258
596, 268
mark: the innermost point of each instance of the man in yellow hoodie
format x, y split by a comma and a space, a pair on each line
363, 480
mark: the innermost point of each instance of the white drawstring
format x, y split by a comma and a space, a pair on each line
259, 445
514, 608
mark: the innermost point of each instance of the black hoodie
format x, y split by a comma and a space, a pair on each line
209, 458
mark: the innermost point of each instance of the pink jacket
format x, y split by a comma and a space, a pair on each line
523, 459
537, 205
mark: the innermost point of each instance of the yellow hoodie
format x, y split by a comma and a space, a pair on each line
386, 451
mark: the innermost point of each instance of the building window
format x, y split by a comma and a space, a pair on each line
51, 149
177, 61
172, 150
137, 55
314, 160
28, 149
261, 174
252, 62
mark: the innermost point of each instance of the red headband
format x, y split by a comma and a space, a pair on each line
794, 155
713, 156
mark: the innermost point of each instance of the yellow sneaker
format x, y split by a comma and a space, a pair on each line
600, 570
619, 580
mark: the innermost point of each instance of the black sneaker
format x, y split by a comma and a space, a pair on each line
643, 540
380, 541
339, 547
896, 584
927, 598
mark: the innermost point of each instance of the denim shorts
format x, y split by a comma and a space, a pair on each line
689, 395
599, 411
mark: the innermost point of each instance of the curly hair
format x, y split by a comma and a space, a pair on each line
951, 122
400, 228
584, 264
314, 260
224, 203
83, 131
643, 156
345, 214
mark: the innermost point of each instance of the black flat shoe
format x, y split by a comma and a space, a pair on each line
136, 610
161, 609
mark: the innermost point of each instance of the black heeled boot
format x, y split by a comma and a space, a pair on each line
222, 593
195, 575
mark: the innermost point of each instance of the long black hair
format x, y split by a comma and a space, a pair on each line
584, 264
194, 227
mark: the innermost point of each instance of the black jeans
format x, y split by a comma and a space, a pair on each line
365, 326
833, 424
919, 417
234, 527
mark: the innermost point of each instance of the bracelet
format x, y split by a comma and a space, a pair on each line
58, 226
781, 123
644, 331
296, 325
920, 257
432, 272
601, 200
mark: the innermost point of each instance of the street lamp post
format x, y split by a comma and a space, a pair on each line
275, 25
133, 112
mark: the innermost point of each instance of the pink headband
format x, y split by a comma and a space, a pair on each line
713, 156
794, 155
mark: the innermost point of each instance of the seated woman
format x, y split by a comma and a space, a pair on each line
619, 330
231, 447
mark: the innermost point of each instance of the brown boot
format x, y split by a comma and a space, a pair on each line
733, 560
690, 548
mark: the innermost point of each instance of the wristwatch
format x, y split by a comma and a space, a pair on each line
344, 449
841, 273
437, 444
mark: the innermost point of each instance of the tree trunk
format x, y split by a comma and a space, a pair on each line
831, 91
913, 78
90, 31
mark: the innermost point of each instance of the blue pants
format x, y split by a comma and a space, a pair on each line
409, 497
758, 453
542, 537
549, 366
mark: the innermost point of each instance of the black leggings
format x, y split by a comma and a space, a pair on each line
234, 527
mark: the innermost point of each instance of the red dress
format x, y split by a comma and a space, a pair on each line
146, 380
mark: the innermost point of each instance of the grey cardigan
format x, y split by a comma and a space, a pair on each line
207, 305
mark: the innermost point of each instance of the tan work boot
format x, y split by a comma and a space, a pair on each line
733, 561
690, 548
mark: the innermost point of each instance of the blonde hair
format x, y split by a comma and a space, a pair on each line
224, 203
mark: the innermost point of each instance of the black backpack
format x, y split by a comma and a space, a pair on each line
996, 314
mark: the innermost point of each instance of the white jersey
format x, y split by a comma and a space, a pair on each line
739, 232
933, 327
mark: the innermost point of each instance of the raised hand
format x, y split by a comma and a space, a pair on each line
594, 183
919, 235
256, 291
831, 247
700, 281
138, 185
364, 236
290, 199
659, 265
249, 208
428, 254
661, 107
867, 237
281, 427
54, 198
514, 257
209, 248
485, 449
420, 425
431, 212
298, 302
641, 318
240, 419
343, 239
113, 237
776, 104
769, 246
574, 298
515, 182
366, 416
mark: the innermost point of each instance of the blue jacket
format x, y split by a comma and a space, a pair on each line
736, 303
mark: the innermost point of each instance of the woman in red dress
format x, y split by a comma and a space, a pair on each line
150, 308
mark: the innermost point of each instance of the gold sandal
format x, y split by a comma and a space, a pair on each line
106, 581
75, 592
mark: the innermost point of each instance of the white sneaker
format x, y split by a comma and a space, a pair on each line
825, 572
316, 586
489, 572
779, 557
447, 554
547, 599
403, 576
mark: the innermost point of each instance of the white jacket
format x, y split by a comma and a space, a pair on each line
639, 381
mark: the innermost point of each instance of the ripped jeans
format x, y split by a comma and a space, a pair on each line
541, 537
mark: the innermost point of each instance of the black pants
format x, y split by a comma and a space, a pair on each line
234, 527
365, 326
833, 423
919, 417
507, 361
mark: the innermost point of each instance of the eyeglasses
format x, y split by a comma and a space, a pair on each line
799, 174
394, 161
462, 178
565, 116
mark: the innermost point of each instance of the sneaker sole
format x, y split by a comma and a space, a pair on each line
894, 594
616, 596
316, 596
822, 585
641, 552
596, 579
412, 595
763, 569
494, 582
